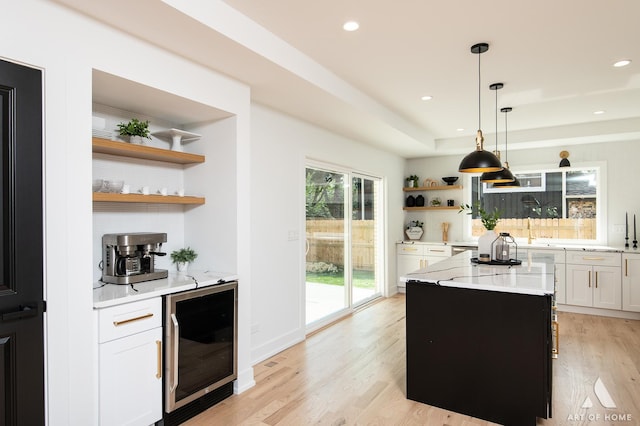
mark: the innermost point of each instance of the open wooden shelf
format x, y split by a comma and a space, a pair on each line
124, 149
431, 188
431, 208
110, 197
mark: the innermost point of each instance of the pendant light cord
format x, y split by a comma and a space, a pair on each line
506, 146
479, 86
496, 122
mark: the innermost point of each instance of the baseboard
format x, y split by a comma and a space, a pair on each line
275, 346
598, 311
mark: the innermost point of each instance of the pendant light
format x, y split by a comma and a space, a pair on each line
504, 175
479, 161
516, 182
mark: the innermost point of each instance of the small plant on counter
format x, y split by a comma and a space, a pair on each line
415, 224
489, 219
183, 255
135, 127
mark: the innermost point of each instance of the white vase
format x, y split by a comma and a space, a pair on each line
137, 140
182, 266
414, 233
484, 243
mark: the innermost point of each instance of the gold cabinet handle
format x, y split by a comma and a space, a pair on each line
159, 363
409, 249
596, 279
592, 258
556, 329
589, 279
128, 320
626, 267
437, 251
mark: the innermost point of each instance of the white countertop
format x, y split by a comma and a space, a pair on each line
534, 245
535, 276
105, 295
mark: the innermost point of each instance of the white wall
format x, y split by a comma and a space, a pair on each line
623, 173
67, 46
279, 146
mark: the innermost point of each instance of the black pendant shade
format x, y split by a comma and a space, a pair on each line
479, 161
515, 183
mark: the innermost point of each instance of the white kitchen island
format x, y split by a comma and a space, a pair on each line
479, 338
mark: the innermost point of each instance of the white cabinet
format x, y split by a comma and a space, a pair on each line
560, 271
411, 256
130, 363
594, 279
631, 282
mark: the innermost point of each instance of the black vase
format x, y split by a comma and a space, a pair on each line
411, 201
419, 201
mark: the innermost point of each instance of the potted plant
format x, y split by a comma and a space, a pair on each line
412, 181
414, 230
183, 257
136, 130
489, 221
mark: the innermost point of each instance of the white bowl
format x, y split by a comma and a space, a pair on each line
98, 185
114, 185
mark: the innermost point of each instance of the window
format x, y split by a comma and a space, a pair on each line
560, 204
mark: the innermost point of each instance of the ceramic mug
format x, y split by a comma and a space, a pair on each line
162, 191
144, 190
125, 189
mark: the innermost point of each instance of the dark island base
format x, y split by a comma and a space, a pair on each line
485, 354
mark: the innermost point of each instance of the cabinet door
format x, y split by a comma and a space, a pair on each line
631, 283
561, 283
607, 287
579, 285
131, 379
408, 263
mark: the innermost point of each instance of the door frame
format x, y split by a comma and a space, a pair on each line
381, 264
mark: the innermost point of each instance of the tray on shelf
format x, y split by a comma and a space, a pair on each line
510, 262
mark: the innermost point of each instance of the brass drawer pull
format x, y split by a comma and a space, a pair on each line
141, 317
596, 279
626, 267
556, 327
159, 362
589, 279
592, 258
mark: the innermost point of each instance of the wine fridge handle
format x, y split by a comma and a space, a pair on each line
176, 342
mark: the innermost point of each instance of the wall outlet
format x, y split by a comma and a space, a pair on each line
618, 229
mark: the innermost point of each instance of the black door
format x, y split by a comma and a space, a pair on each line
21, 246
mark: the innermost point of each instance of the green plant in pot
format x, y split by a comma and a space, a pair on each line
489, 221
183, 257
412, 181
136, 130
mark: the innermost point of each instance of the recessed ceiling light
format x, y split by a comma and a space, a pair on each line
622, 63
426, 98
351, 26
598, 112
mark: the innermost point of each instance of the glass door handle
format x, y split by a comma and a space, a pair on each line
176, 352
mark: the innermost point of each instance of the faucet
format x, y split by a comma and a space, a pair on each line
529, 236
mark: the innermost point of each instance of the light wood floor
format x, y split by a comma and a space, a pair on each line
353, 373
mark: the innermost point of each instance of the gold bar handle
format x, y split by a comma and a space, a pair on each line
596, 279
437, 250
141, 317
589, 279
556, 329
159, 364
592, 258
626, 267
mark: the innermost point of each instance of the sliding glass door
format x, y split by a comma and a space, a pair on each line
342, 232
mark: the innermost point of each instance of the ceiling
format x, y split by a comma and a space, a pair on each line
554, 58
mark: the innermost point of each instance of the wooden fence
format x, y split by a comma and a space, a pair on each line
543, 228
325, 242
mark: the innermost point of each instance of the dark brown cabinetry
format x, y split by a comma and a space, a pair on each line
486, 354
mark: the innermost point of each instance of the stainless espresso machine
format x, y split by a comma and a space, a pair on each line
129, 258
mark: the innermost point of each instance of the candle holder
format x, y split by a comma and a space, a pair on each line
635, 244
626, 242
